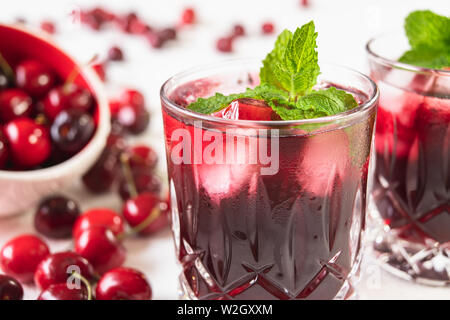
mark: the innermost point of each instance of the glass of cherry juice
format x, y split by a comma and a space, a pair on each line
412, 176
276, 211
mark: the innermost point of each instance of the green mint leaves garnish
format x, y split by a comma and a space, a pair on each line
429, 36
292, 65
287, 78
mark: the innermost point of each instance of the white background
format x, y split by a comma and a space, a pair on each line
344, 27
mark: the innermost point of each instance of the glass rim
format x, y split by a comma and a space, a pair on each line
347, 115
395, 63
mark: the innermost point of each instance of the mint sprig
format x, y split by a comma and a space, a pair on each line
429, 37
219, 101
287, 77
292, 65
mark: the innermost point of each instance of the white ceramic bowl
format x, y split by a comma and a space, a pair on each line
21, 190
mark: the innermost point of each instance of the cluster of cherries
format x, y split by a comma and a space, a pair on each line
98, 253
61, 113
99, 18
225, 44
43, 120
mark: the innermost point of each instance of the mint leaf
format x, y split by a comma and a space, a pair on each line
288, 74
270, 93
287, 111
219, 101
266, 73
429, 36
293, 63
427, 28
326, 102
427, 57
315, 104
216, 102
301, 59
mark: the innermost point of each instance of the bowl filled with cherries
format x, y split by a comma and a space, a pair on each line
54, 118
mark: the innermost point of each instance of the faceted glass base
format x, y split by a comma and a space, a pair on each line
427, 264
347, 291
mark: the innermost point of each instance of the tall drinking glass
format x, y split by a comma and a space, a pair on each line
266, 209
412, 176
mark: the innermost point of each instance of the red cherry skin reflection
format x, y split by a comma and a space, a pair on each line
101, 248
123, 284
21, 256
99, 217
29, 143
56, 269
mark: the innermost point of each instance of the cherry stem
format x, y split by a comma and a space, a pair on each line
70, 78
4, 65
126, 170
154, 214
41, 119
75, 72
85, 282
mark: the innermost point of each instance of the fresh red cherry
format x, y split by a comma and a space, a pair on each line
101, 248
133, 118
72, 130
130, 23
133, 97
123, 284
115, 54
102, 14
238, 30
20, 256
188, 16
138, 26
164, 218
34, 77
4, 152
154, 39
116, 144
91, 20
67, 96
126, 20
48, 26
143, 181
29, 143
142, 157
167, 34
14, 103
100, 217
10, 288
145, 213
58, 267
267, 28
132, 114
225, 44
56, 216
101, 176
61, 291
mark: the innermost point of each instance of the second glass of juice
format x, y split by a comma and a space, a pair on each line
412, 176
267, 209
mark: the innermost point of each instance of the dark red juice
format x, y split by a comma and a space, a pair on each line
412, 184
293, 234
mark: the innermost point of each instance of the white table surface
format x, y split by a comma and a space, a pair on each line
344, 27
